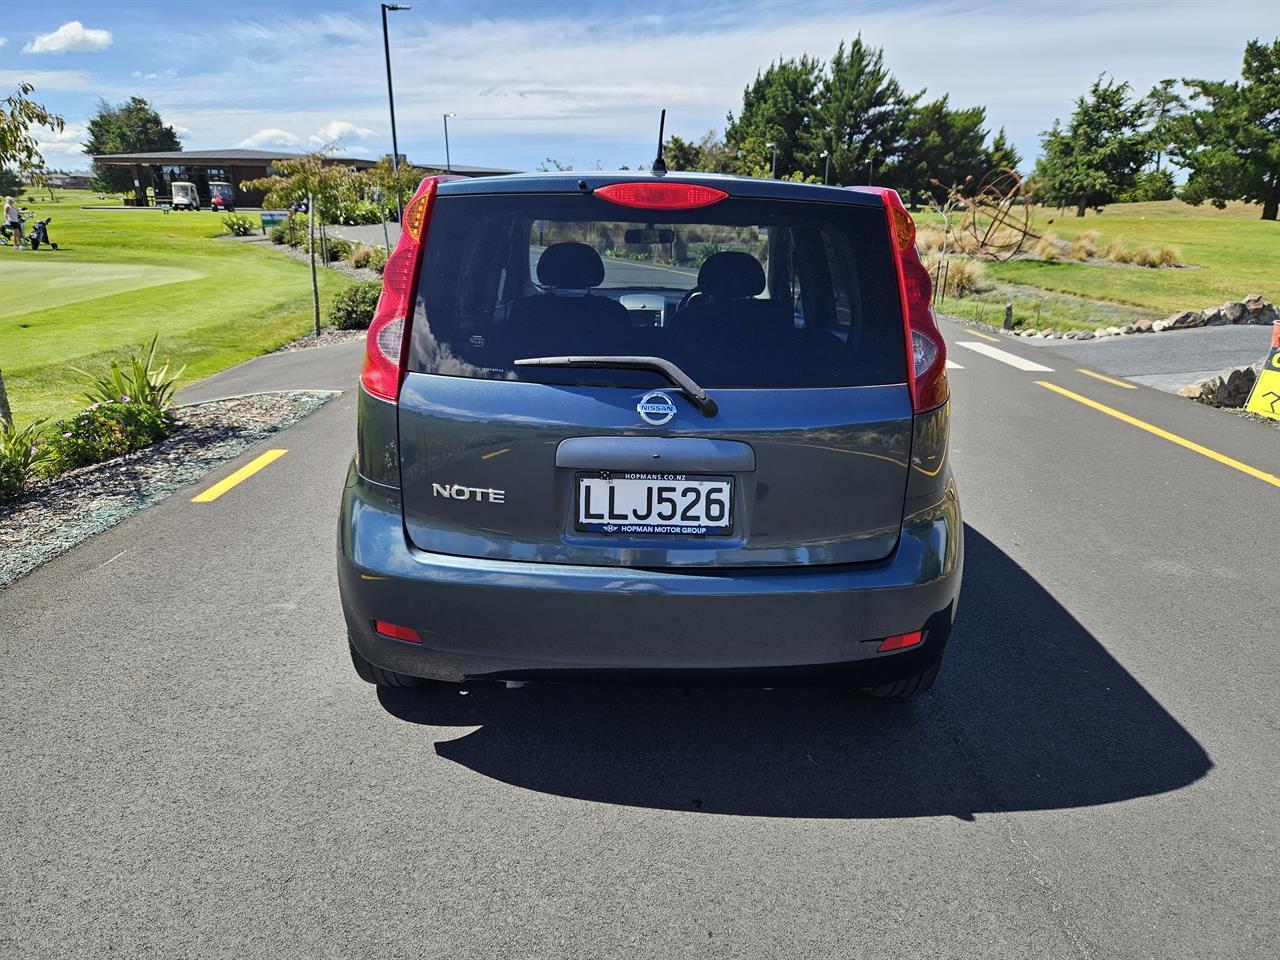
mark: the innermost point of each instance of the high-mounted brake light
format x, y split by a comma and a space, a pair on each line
926, 350
386, 347
661, 195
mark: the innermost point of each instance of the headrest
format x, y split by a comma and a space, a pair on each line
731, 275
570, 266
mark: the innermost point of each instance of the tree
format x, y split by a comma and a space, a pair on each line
778, 108
1001, 154
862, 115
10, 182
1096, 158
681, 154
18, 148
709, 154
1161, 108
130, 127
942, 145
307, 178
1231, 144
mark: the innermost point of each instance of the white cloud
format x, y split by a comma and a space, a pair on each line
538, 84
76, 81
336, 130
271, 136
65, 147
4, 41
73, 36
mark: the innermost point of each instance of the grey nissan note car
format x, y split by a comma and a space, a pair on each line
684, 426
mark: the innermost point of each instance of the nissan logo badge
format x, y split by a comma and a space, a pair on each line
656, 408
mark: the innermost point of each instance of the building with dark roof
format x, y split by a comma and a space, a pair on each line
156, 171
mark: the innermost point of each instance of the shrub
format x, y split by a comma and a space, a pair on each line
23, 455
1168, 256
1144, 257
105, 431
352, 308
359, 255
378, 259
960, 275
279, 233
333, 248
704, 250
139, 381
929, 240
237, 225
1085, 246
356, 213
1048, 247
1116, 252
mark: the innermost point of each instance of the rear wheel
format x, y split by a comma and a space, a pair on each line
370, 673
907, 687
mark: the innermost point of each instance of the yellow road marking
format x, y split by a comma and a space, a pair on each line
984, 336
1165, 434
1105, 379
495, 453
244, 473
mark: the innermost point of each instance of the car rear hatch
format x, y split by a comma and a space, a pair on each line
786, 312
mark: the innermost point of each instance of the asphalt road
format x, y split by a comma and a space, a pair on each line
1169, 360
191, 768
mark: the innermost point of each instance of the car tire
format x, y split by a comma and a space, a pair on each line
907, 687
370, 673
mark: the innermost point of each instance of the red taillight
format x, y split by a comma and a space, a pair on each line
926, 350
396, 632
900, 641
661, 196
385, 349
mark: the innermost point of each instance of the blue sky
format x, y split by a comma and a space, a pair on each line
578, 81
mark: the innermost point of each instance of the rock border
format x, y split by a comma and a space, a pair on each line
57, 514
1252, 310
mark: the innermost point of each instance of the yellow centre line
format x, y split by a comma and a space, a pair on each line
1105, 379
1165, 434
984, 336
244, 473
495, 453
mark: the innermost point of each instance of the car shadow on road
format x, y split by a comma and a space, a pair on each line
1031, 713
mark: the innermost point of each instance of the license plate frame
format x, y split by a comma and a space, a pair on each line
612, 522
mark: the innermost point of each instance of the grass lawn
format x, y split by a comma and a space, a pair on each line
122, 275
1231, 254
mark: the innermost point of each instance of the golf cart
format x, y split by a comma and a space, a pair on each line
222, 198
185, 196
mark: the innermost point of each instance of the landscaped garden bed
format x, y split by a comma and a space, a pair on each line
54, 514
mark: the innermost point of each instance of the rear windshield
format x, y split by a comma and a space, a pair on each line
744, 293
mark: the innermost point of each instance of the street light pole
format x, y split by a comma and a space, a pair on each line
448, 164
773, 171
391, 99
826, 170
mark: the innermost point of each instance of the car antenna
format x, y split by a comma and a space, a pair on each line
660, 165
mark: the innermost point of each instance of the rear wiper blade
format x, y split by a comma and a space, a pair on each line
665, 367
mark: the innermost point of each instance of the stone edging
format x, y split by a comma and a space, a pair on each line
1253, 309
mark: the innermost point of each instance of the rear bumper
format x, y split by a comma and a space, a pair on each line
505, 619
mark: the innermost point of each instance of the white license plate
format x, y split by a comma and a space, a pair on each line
655, 503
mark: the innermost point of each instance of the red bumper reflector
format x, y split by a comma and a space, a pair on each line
661, 196
396, 632
900, 641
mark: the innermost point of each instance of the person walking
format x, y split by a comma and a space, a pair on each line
14, 220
